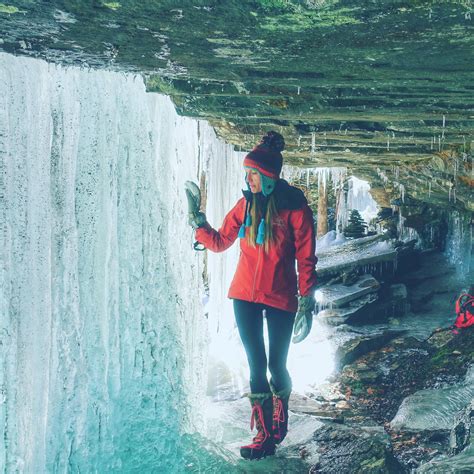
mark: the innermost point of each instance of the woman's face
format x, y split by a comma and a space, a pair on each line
255, 183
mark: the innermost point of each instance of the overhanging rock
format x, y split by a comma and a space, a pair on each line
368, 253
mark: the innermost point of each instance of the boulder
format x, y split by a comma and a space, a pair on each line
354, 449
340, 295
359, 311
408, 258
329, 392
361, 345
392, 303
398, 296
440, 338
322, 410
460, 435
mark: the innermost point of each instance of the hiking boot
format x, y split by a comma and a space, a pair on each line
263, 443
280, 414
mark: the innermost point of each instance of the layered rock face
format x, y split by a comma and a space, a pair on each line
384, 88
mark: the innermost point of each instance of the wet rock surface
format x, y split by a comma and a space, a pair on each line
355, 348
460, 435
359, 404
354, 449
416, 391
376, 384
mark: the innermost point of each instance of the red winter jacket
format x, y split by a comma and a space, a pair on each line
270, 278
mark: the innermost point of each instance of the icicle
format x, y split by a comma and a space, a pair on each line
313, 142
459, 247
382, 176
406, 233
472, 164
455, 166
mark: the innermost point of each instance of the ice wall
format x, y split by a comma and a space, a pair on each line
102, 332
225, 180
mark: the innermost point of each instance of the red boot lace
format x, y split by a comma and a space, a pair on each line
278, 412
262, 433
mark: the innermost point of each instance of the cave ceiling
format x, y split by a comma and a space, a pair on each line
384, 87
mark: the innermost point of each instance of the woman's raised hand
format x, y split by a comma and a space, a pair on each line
196, 218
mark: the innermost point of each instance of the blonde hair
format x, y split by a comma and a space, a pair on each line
256, 210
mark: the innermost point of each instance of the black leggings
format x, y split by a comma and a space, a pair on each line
249, 318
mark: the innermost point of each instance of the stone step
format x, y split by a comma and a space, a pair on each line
339, 295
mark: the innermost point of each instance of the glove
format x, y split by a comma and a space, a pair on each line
196, 218
304, 318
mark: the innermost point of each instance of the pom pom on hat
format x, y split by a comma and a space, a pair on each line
266, 156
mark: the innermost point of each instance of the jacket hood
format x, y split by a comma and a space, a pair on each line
286, 196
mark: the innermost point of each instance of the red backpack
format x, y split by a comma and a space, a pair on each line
464, 312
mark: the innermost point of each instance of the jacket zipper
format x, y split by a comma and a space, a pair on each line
256, 270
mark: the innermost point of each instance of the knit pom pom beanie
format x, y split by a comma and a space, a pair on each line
265, 158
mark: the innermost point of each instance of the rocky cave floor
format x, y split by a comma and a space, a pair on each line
398, 353
392, 344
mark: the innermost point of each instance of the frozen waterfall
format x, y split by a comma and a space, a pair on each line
103, 337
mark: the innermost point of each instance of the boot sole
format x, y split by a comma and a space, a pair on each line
253, 454
278, 441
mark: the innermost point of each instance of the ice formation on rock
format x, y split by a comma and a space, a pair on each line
103, 339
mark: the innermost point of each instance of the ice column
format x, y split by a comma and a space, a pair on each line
459, 247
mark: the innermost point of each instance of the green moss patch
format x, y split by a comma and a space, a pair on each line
10, 9
302, 21
112, 5
157, 84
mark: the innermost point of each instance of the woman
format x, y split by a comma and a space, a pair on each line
275, 227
